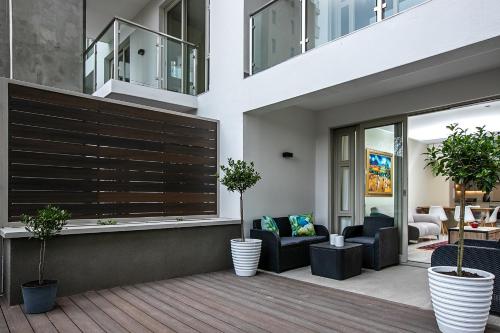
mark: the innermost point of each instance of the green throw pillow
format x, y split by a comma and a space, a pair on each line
268, 223
302, 225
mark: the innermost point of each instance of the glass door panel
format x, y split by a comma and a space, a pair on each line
344, 166
384, 172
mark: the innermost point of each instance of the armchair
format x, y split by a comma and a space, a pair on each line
380, 240
284, 252
423, 225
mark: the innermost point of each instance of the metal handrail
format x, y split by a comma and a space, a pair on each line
261, 8
116, 18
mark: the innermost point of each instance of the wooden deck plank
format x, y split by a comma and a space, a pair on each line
99, 316
15, 318
85, 323
191, 316
117, 314
207, 307
164, 318
261, 303
61, 321
3, 324
326, 304
328, 319
221, 302
234, 308
41, 323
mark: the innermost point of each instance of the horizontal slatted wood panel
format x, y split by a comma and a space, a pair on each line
101, 159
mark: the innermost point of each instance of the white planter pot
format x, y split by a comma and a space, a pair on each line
461, 304
245, 256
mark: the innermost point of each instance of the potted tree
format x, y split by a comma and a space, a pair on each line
39, 296
239, 176
461, 297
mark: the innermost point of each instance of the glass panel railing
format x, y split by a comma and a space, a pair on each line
143, 57
331, 19
138, 56
277, 34
98, 68
397, 6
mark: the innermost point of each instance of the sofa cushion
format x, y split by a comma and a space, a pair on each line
306, 240
302, 225
315, 239
283, 224
268, 223
288, 241
426, 228
361, 240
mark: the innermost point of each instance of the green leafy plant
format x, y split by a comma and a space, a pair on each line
47, 222
239, 176
107, 222
467, 159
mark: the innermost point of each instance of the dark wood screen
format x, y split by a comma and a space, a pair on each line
102, 159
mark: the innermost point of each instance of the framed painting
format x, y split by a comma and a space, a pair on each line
379, 173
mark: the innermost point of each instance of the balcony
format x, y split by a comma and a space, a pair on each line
145, 58
282, 29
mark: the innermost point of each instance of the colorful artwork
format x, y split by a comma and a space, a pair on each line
378, 173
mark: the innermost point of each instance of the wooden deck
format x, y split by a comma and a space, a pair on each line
221, 302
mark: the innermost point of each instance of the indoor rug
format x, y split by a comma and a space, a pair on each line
434, 246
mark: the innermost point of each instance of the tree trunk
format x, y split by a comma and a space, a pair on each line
41, 264
461, 226
241, 218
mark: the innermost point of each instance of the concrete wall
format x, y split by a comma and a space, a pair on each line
48, 41
96, 261
4, 39
287, 185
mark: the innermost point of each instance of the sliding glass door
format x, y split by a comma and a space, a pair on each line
368, 175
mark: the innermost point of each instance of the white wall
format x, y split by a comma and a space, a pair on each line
423, 188
287, 185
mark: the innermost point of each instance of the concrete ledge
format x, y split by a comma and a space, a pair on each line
82, 262
150, 224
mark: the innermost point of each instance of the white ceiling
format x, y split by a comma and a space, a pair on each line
100, 13
431, 127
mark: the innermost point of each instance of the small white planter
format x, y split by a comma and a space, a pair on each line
245, 256
461, 304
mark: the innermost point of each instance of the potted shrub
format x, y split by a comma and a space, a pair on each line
461, 297
39, 296
239, 176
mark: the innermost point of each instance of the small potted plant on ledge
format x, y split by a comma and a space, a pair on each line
239, 176
461, 297
39, 296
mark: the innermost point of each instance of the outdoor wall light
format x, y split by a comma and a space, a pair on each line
141, 52
287, 154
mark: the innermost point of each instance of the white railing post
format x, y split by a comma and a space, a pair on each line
195, 71
303, 42
116, 45
250, 46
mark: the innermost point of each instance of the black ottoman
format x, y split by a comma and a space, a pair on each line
333, 262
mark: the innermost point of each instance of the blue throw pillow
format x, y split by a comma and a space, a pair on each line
268, 223
302, 225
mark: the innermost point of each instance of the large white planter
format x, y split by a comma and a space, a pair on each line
461, 304
245, 256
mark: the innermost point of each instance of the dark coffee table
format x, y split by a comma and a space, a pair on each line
337, 263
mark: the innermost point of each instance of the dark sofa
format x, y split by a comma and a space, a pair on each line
284, 252
380, 240
478, 254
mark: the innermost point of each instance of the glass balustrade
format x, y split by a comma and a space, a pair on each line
143, 57
277, 34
